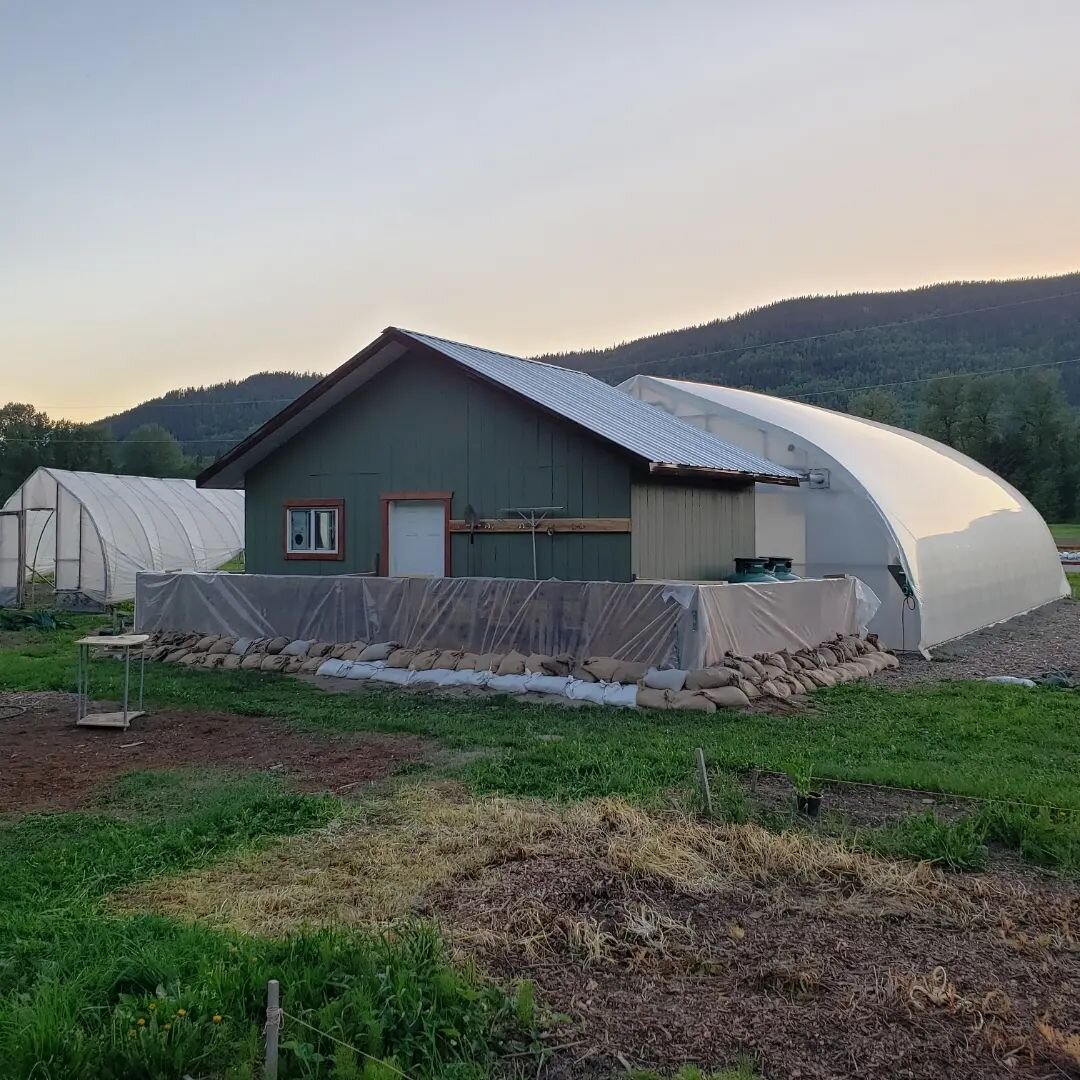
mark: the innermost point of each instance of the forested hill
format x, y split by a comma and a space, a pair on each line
207, 420
949, 328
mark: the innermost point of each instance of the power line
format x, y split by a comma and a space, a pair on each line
622, 366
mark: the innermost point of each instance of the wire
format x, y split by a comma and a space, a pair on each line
341, 1042
835, 333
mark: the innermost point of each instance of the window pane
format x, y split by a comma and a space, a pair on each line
299, 530
326, 530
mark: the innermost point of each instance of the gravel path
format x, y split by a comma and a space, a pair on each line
1028, 646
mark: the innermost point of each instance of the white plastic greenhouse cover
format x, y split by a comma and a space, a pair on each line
974, 549
96, 531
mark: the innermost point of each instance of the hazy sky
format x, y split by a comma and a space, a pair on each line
195, 191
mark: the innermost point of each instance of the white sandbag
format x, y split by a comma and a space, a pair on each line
621, 695
547, 684
468, 677
432, 677
394, 675
665, 679
334, 668
241, 646
359, 670
297, 648
580, 690
508, 684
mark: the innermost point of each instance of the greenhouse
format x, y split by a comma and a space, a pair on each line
948, 546
87, 535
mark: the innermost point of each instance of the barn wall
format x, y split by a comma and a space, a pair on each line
425, 425
690, 532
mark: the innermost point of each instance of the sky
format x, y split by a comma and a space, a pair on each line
194, 192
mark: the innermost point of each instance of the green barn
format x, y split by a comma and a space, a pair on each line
421, 456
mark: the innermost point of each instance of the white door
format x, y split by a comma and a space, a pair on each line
417, 538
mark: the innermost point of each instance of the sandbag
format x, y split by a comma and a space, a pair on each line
422, 660
351, 653
579, 673
299, 647
176, 656
467, 661
579, 690
213, 660
547, 684
471, 677
629, 671
561, 664
337, 652
241, 646
692, 701
773, 672
311, 664
222, 646
320, 648
401, 658
664, 678
726, 697
511, 683
192, 658
357, 671
773, 660
190, 641
293, 664
710, 677
379, 651
648, 698
890, 660
620, 695
757, 665
792, 684
807, 683
231, 662
742, 669
447, 660
204, 643
273, 662
393, 676
488, 661
513, 663
159, 653
601, 668
432, 677
778, 690
275, 645
539, 664
821, 679
749, 688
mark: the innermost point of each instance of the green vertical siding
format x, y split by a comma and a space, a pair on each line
424, 425
690, 533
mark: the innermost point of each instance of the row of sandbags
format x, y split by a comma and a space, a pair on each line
735, 682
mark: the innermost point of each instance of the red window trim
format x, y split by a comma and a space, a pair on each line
315, 504
387, 497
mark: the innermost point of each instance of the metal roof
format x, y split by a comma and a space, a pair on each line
645, 430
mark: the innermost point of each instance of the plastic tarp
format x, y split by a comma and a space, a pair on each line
95, 531
975, 551
684, 625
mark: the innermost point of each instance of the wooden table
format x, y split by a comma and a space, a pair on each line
122, 719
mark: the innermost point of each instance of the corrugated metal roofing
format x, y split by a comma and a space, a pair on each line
611, 413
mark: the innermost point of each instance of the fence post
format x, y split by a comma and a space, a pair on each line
273, 1026
703, 777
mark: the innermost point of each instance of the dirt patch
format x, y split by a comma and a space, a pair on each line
813, 983
47, 763
1028, 646
866, 805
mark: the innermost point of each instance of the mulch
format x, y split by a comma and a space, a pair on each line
810, 986
47, 763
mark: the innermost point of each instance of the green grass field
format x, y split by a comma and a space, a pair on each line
75, 980
1066, 534
1074, 581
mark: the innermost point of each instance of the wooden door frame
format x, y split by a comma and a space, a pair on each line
388, 497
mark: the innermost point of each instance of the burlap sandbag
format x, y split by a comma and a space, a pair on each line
710, 678
757, 665
222, 646
275, 645
890, 660
253, 661
380, 650
647, 698
175, 656
213, 660
742, 669
488, 661
562, 664
192, 659
447, 660
423, 660
773, 672
540, 664
822, 679
773, 660
400, 658
273, 662
602, 668
692, 701
513, 663
749, 688
352, 652
467, 661
160, 652
726, 697
190, 641
581, 673
776, 689
797, 689
807, 683
311, 664
629, 671
229, 662
320, 648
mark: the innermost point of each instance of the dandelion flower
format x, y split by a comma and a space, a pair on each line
216, 1018
152, 1006
181, 1012
141, 1022
168, 1026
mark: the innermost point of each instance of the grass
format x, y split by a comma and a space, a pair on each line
1074, 581
1066, 533
86, 993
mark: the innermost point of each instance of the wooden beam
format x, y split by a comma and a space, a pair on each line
548, 525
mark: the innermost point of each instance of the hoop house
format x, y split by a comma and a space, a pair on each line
94, 532
973, 550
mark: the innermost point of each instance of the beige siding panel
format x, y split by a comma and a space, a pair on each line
689, 533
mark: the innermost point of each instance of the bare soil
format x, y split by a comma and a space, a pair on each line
47, 763
811, 985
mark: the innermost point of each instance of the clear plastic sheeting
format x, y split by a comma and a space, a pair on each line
683, 625
974, 550
94, 532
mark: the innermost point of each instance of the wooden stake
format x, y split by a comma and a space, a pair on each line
703, 778
273, 1027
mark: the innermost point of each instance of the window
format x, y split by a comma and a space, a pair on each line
313, 530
